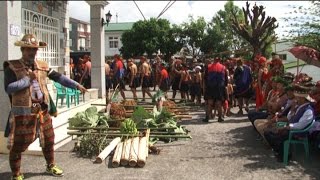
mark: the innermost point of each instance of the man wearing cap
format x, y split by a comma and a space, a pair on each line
196, 85
133, 78
27, 119
302, 117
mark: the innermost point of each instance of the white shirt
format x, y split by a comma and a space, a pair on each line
305, 119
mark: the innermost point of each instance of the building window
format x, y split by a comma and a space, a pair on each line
82, 44
70, 42
70, 27
81, 28
283, 56
88, 28
113, 42
46, 29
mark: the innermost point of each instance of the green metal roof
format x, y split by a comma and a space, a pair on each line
122, 26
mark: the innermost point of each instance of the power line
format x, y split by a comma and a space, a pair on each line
166, 9
163, 9
139, 10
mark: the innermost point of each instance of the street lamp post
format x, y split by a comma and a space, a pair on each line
108, 18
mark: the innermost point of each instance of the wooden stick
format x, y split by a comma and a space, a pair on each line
102, 156
117, 155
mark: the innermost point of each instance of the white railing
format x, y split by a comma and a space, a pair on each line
46, 29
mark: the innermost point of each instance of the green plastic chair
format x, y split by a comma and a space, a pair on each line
68, 93
290, 140
61, 92
71, 94
78, 92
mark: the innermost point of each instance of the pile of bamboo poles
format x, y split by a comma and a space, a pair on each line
132, 152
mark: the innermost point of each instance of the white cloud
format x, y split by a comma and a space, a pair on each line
179, 11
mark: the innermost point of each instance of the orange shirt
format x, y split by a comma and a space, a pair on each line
164, 73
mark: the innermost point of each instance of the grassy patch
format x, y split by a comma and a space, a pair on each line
293, 64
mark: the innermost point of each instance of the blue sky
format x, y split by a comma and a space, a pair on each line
179, 11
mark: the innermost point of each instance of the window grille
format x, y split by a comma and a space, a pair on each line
46, 29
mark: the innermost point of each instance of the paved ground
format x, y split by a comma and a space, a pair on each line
227, 150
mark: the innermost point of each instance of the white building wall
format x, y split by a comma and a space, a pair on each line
67, 46
112, 51
10, 13
282, 48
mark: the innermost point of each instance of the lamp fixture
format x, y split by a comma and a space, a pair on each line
108, 18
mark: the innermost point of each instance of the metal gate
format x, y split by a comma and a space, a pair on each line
46, 29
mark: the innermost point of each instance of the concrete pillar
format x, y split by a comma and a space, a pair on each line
10, 30
97, 46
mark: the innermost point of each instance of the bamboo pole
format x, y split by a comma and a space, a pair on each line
128, 115
107, 150
117, 155
134, 152
175, 111
114, 128
110, 133
122, 135
101, 133
142, 155
147, 145
125, 152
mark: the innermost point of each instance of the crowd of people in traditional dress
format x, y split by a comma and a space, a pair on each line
223, 84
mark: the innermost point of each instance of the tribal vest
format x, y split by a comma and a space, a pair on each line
21, 100
300, 113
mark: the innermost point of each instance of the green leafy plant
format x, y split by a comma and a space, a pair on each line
92, 144
89, 118
157, 96
141, 117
